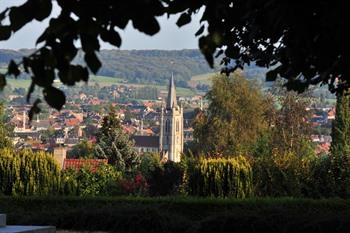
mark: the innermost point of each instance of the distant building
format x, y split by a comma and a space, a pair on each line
146, 143
77, 164
171, 139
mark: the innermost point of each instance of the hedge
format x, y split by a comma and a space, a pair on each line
223, 177
28, 173
160, 215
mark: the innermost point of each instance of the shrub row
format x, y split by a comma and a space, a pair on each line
160, 215
28, 173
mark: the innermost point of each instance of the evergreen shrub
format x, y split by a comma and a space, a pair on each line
28, 173
222, 177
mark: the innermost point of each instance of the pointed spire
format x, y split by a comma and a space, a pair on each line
171, 101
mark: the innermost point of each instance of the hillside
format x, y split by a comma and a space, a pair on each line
140, 66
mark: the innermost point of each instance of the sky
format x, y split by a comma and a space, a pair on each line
170, 36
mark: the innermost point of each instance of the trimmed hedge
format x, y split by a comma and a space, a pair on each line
231, 177
167, 215
28, 173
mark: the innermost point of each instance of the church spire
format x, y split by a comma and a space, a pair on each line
171, 101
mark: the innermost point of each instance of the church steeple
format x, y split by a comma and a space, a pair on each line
171, 127
171, 101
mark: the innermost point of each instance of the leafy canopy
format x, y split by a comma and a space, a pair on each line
305, 43
234, 119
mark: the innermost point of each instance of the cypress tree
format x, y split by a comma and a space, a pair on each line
341, 126
340, 147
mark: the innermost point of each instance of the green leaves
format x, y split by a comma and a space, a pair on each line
54, 97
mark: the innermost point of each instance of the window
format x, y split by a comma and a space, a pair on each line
167, 126
177, 126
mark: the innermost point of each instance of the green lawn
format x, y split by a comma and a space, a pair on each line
180, 214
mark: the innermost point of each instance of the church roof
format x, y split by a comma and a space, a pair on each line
171, 101
146, 141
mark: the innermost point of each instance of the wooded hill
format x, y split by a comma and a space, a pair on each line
139, 66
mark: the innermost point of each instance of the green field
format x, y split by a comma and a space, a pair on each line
201, 79
180, 214
103, 81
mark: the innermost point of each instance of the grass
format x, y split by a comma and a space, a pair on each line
201, 79
180, 214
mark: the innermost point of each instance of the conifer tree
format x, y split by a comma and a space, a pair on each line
341, 126
115, 145
5, 142
340, 147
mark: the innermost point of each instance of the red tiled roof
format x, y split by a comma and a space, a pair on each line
76, 164
72, 122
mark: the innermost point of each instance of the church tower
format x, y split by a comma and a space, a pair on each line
171, 127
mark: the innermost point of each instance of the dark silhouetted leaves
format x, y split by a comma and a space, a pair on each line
54, 97
73, 74
2, 81
35, 109
184, 19
200, 30
30, 91
13, 69
21, 15
42, 9
5, 32
207, 48
111, 37
271, 75
150, 25
93, 62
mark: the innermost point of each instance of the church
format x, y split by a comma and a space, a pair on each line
170, 141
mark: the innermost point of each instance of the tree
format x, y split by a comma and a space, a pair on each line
83, 149
264, 32
341, 126
291, 129
5, 142
234, 119
114, 144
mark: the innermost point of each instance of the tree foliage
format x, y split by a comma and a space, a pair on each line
28, 173
114, 144
83, 149
234, 119
265, 32
5, 141
231, 177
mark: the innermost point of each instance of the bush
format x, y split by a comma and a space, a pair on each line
88, 183
165, 179
28, 173
135, 186
221, 177
281, 175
